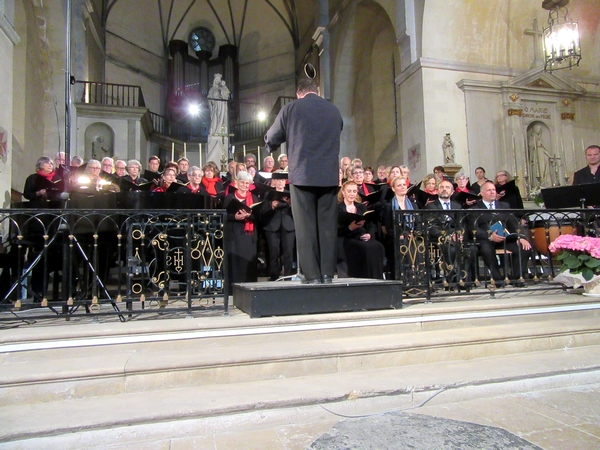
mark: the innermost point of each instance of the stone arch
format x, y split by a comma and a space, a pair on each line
365, 64
99, 141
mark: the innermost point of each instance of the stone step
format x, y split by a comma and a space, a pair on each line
136, 418
46, 371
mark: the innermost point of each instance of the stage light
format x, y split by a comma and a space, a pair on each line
194, 109
259, 112
261, 115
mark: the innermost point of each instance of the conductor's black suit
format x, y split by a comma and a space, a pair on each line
311, 128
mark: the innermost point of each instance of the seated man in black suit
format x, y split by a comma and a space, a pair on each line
489, 240
448, 233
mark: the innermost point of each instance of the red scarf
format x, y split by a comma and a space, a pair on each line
365, 189
209, 184
248, 225
461, 190
47, 176
194, 191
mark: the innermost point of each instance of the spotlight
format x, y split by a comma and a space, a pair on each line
194, 110
261, 115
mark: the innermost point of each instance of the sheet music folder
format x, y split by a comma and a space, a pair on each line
581, 195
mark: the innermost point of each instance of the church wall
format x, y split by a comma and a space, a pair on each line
51, 39
587, 122
487, 41
6, 148
128, 138
137, 24
129, 64
153, 92
31, 86
95, 51
484, 32
446, 112
484, 143
413, 127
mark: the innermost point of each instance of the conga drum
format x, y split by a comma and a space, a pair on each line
546, 227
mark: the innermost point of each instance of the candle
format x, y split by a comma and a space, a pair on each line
244, 151
258, 153
185, 149
173, 151
514, 153
200, 153
526, 157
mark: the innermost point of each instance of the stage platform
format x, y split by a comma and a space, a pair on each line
284, 298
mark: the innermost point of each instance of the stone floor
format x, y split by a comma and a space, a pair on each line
560, 412
552, 419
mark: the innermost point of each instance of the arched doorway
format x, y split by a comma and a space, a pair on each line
365, 64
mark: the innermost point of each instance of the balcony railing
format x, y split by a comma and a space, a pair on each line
249, 131
96, 93
280, 103
128, 262
440, 253
112, 261
255, 130
170, 128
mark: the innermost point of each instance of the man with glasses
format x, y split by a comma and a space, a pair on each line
120, 168
107, 164
250, 160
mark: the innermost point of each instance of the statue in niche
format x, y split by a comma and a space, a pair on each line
218, 96
539, 157
448, 148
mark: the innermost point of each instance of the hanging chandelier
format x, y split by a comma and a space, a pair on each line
561, 38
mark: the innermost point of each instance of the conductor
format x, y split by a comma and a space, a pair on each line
311, 127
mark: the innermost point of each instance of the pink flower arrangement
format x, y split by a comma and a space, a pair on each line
580, 254
575, 243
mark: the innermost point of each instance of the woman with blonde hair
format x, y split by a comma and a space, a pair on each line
364, 255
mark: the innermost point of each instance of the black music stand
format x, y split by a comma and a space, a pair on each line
578, 196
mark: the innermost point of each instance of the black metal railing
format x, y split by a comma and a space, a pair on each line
65, 260
96, 93
439, 253
249, 131
170, 128
154, 256
280, 103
